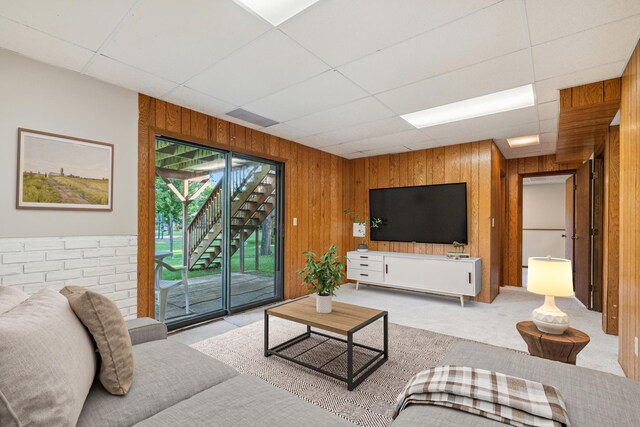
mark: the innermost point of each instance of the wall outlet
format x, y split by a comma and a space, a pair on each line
295, 221
636, 346
359, 229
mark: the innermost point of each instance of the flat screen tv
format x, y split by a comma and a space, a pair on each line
425, 214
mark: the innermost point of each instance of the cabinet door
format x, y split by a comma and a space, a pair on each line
449, 276
407, 272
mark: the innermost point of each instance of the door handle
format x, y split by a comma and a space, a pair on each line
364, 265
386, 268
575, 237
564, 235
365, 275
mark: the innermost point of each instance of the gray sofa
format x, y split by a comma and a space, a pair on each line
176, 385
593, 398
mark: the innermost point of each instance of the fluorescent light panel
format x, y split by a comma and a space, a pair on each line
275, 11
523, 141
498, 102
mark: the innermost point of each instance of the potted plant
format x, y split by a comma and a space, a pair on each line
360, 227
323, 276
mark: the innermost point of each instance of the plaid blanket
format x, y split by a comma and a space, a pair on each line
500, 397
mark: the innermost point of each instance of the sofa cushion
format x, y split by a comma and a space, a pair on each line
10, 297
592, 397
166, 372
47, 362
244, 400
105, 323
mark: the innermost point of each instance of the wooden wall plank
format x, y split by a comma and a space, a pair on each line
174, 117
611, 264
629, 256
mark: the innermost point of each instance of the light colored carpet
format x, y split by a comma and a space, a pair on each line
371, 403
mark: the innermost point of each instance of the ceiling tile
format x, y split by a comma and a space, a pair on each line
120, 74
381, 151
505, 72
422, 145
195, 100
177, 42
264, 66
388, 141
489, 33
552, 19
548, 110
588, 49
368, 130
339, 31
322, 92
285, 131
549, 125
34, 44
361, 111
316, 141
339, 150
548, 90
85, 23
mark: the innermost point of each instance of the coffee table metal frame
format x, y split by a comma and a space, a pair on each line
353, 378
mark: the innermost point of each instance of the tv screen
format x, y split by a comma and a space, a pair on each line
426, 214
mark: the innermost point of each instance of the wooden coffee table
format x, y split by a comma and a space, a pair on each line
561, 348
345, 319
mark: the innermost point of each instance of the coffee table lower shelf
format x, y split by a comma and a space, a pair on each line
353, 378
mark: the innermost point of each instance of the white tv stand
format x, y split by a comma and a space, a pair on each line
416, 272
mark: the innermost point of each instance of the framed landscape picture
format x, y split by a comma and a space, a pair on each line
62, 172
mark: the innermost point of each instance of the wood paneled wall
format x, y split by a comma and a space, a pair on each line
316, 187
516, 169
629, 281
470, 163
585, 114
611, 250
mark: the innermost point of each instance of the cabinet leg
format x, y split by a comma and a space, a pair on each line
357, 284
461, 301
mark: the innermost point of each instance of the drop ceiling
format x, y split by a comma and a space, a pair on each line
339, 75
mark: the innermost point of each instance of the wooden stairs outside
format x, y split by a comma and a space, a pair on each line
253, 199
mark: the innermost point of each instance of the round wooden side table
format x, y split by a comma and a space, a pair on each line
562, 348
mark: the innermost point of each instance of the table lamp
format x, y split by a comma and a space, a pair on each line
551, 277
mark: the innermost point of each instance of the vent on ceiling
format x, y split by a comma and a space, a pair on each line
250, 117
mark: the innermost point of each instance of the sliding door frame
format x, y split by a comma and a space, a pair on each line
146, 206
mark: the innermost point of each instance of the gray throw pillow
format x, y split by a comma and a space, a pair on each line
105, 323
10, 297
47, 363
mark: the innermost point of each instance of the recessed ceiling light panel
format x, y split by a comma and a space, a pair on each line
523, 141
275, 11
498, 102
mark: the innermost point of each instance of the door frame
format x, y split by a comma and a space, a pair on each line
146, 208
521, 176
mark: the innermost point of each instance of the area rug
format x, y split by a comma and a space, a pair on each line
371, 403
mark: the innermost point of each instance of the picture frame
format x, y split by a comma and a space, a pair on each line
59, 172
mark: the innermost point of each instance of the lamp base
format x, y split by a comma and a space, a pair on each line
549, 318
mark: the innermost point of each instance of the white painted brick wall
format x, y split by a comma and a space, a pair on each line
105, 264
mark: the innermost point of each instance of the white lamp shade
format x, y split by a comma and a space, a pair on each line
550, 276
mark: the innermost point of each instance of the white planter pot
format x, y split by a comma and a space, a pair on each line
323, 304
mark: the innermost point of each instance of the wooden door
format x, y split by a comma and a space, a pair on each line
569, 233
598, 233
582, 245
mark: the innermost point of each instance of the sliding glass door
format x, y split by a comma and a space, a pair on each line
217, 243
254, 232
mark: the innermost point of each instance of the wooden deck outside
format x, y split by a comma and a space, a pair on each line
205, 294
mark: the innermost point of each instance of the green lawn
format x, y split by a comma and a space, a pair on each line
266, 267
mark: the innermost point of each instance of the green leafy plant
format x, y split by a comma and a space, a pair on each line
323, 275
373, 223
